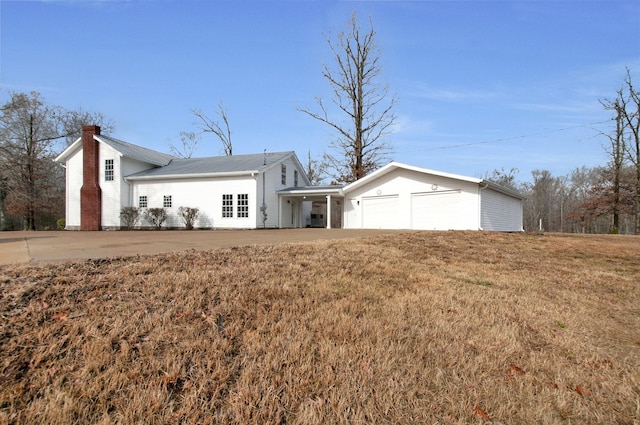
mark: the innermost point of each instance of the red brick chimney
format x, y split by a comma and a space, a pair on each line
90, 193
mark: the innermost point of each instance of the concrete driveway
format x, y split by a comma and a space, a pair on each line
34, 247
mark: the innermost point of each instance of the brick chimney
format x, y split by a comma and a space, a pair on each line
90, 193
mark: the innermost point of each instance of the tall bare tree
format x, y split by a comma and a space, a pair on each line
222, 131
626, 140
631, 116
365, 110
617, 153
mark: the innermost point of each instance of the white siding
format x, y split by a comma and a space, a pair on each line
130, 166
405, 183
280, 213
112, 200
500, 212
272, 183
73, 186
206, 195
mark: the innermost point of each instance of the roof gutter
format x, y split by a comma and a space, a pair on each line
191, 175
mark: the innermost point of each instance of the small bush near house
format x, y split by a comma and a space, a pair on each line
156, 216
189, 216
129, 216
60, 224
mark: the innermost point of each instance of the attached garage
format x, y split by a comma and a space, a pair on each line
399, 196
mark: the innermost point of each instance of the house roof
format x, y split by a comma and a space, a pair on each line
126, 149
136, 152
396, 165
214, 166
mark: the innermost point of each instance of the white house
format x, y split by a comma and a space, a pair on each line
104, 174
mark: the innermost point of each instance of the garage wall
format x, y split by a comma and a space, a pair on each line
500, 212
406, 199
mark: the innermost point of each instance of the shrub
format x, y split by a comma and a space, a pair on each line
60, 224
189, 216
156, 216
129, 216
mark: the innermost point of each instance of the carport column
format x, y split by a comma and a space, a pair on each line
328, 211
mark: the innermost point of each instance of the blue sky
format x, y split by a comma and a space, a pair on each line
481, 85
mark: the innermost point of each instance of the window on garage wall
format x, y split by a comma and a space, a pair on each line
166, 203
142, 201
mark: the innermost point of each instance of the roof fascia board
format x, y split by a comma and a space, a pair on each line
502, 189
304, 174
192, 176
311, 192
378, 173
267, 167
68, 151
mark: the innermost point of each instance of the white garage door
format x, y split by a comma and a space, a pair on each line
380, 212
435, 210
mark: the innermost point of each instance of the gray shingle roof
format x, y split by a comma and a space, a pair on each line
215, 165
137, 152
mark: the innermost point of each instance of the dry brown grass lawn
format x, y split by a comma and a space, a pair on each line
437, 328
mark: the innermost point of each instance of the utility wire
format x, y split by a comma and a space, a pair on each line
506, 139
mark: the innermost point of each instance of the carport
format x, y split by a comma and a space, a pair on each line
310, 206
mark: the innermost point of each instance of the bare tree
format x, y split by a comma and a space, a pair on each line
631, 116
28, 130
504, 178
625, 141
617, 153
189, 142
316, 170
222, 132
362, 101
73, 121
32, 184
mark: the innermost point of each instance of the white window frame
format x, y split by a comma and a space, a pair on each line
167, 202
227, 205
243, 205
283, 177
143, 201
109, 170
